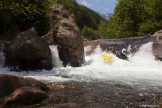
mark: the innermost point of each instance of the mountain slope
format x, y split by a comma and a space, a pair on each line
87, 19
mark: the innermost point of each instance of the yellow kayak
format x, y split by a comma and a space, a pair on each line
106, 58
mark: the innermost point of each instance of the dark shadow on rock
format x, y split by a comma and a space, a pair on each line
27, 52
25, 96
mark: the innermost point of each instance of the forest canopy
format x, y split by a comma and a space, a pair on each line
133, 18
130, 18
19, 15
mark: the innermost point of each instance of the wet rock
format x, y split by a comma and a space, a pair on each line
157, 45
25, 96
120, 55
158, 35
157, 50
9, 83
132, 44
28, 51
90, 46
129, 45
66, 35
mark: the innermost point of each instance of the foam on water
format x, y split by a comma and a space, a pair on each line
141, 68
55, 57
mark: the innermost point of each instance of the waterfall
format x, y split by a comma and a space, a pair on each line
55, 57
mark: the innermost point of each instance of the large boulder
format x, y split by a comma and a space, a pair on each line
9, 83
157, 50
130, 45
66, 35
157, 45
25, 96
158, 35
28, 51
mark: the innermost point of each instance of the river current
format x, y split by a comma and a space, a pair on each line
138, 78
141, 67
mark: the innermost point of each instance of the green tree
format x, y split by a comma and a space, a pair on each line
19, 15
153, 17
125, 19
102, 29
132, 18
90, 33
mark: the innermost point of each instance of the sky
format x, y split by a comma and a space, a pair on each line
101, 6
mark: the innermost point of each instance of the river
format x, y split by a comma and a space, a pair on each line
121, 83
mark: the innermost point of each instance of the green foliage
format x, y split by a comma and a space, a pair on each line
149, 27
102, 29
90, 33
82, 15
153, 9
153, 21
51, 2
132, 18
19, 15
125, 20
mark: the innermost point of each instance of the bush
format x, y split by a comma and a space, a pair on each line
90, 33
19, 15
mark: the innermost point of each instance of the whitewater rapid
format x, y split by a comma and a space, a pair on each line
140, 69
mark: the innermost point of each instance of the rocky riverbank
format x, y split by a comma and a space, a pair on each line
18, 91
28, 92
110, 94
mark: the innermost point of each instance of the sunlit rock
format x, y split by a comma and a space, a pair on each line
119, 47
66, 35
157, 45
